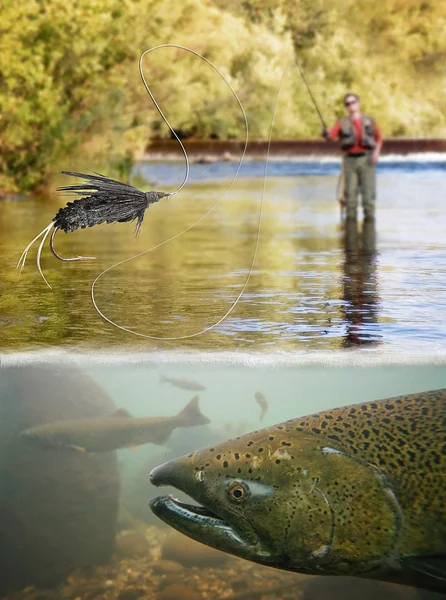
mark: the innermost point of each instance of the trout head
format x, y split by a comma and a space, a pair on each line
44, 436
284, 498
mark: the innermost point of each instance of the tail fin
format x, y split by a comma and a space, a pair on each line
191, 415
163, 378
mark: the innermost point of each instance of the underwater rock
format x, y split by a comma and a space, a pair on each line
189, 553
177, 591
131, 544
133, 593
167, 567
125, 520
58, 507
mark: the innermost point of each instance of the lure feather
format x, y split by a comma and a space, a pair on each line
103, 200
110, 202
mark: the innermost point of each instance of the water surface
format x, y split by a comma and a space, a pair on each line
315, 284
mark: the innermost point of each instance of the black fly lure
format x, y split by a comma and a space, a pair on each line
103, 200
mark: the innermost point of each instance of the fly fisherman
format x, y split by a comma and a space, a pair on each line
361, 142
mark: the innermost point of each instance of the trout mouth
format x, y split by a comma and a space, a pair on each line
174, 511
203, 525
230, 532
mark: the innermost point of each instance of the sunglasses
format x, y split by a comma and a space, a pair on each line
351, 102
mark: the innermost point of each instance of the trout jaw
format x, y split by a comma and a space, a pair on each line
210, 526
202, 525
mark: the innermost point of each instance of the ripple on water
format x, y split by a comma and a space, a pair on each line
314, 284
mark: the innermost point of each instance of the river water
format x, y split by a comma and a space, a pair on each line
315, 285
78, 525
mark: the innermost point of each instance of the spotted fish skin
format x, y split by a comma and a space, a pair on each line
405, 437
357, 490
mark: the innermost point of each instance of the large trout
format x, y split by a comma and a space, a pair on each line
358, 490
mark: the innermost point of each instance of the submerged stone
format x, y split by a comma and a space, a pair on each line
177, 591
190, 553
131, 544
58, 507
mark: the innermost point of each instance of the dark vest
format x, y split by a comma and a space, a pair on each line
347, 133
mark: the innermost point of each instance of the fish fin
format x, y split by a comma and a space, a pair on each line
163, 379
77, 448
433, 567
161, 436
191, 414
121, 412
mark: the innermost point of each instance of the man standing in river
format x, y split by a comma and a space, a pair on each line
361, 142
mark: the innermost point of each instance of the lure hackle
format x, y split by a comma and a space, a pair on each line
103, 200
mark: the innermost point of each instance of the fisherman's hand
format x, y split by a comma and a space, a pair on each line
375, 157
325, 133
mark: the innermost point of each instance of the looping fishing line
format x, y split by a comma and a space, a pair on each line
110, 201
128, 330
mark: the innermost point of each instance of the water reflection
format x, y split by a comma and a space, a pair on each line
307, 290
360, 283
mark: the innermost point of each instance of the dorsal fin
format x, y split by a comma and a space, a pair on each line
191, 415
121, 412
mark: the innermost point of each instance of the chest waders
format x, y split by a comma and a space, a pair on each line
358, 172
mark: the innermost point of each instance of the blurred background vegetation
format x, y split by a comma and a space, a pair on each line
70, 85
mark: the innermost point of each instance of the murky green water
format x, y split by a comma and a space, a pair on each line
78, 525
314, 285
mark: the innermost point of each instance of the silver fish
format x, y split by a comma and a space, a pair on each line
183, 383
119, 430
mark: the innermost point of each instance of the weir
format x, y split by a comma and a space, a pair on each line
217, 149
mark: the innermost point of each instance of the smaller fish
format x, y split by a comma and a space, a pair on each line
263, 403
119, 430
183, 383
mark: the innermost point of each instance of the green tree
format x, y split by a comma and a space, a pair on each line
57, 63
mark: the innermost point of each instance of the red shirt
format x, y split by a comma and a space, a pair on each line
357, 126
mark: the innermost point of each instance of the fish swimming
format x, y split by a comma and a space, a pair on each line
183, 383
263, 403
119, 430
358, 490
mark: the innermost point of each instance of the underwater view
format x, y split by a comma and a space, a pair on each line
263, 502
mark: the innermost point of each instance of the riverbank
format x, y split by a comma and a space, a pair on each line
213, 150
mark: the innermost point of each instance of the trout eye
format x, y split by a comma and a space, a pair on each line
237, 491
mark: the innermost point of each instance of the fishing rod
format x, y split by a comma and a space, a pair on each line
311, 95
340, 184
